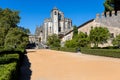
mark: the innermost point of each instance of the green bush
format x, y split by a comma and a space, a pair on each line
9, 65
102, 52
68, 49
8, 71
7, 58
64, 49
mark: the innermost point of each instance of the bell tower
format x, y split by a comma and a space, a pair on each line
54, 15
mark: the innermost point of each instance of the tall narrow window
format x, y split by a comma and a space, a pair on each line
50, 30
55, 13
59, 16
59, 29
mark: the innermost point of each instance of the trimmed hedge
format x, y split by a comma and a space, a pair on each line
64, 49
10, 61
115, 53
102, 52
8, 58
8, 71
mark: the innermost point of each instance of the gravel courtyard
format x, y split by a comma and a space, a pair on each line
57, 65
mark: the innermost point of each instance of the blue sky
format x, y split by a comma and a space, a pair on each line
33, 12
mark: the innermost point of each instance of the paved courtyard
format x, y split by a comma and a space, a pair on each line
56, 65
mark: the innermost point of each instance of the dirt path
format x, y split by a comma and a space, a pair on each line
56, 65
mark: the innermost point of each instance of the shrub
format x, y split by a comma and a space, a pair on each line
10, 64
102, 52
8, 58
8, 71
64, 49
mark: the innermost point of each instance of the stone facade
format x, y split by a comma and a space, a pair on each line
57, 24
108, 20
60, 25
67, 36
32, 39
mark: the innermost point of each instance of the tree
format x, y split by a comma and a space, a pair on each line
109, 5
116, 41
53, 41
16, 37
10, 34
9, 18
112, 5
27, 31
71, 43
99, 35
75, 31
82, 39
2, 35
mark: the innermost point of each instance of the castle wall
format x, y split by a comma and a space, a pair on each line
110, 19
111, 22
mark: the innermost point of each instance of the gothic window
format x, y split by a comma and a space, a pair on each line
59, 29
55, 13
59, 17
39, 39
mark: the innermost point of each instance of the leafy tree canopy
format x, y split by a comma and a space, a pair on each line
99, 35
10, 34
71, 43
53, 41
16, 38
9, 18
75, 31
112, 5
116, 41
82, 39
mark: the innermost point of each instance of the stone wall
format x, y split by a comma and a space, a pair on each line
110, 19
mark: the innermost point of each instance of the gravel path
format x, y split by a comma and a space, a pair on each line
56, 65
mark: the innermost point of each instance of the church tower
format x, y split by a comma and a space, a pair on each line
56, 24
54, 16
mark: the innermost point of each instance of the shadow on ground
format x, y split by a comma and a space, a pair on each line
25, 72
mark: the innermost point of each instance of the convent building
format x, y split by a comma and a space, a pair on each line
56, 24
